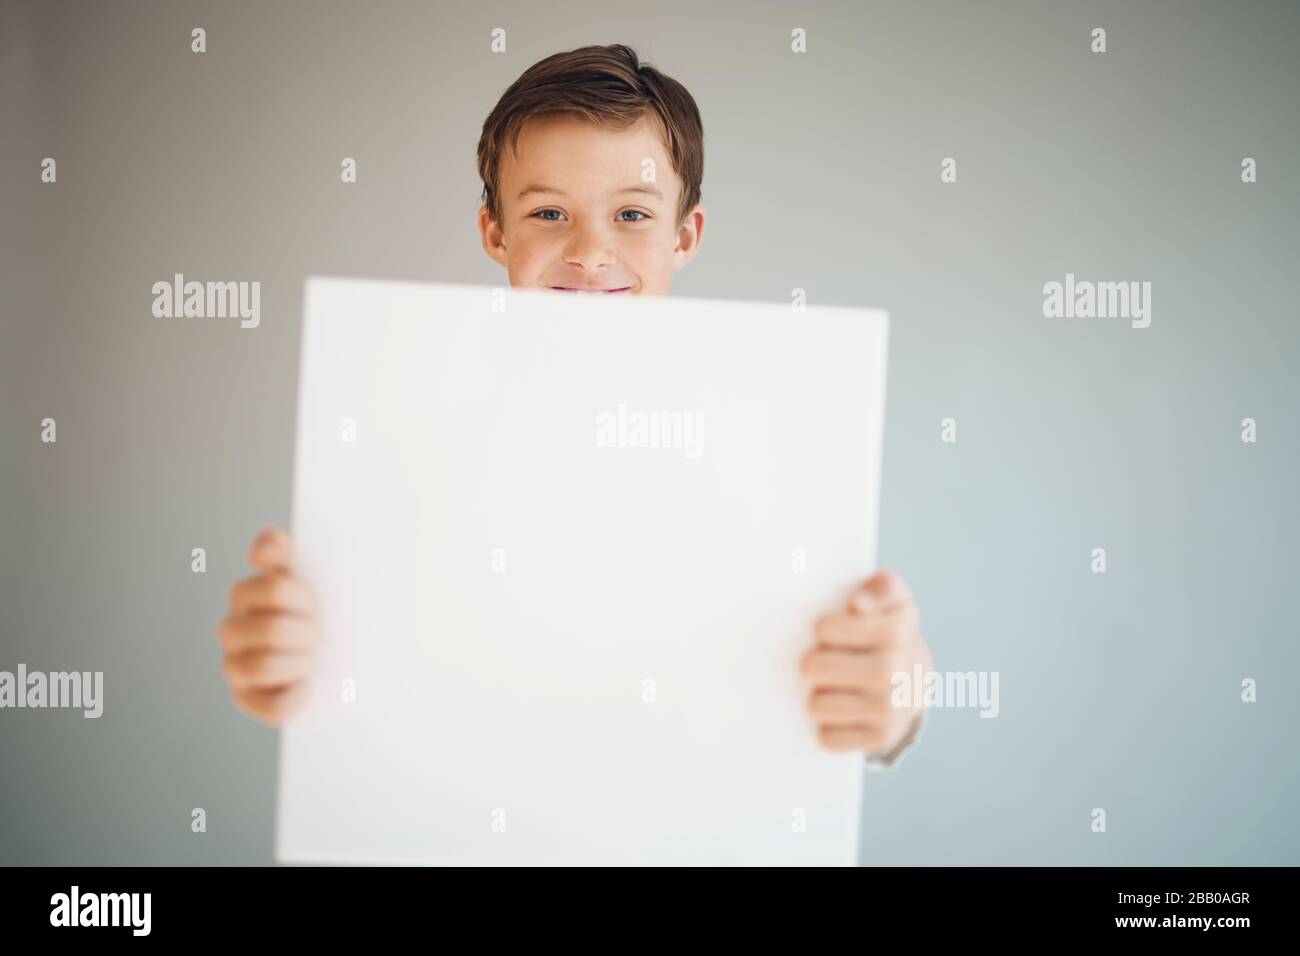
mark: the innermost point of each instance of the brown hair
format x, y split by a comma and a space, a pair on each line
607, 85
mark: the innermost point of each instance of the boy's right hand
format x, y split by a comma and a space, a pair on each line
270, 633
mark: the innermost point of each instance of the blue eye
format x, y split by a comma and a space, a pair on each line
638, 212
540, 214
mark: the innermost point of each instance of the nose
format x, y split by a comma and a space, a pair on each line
590, 248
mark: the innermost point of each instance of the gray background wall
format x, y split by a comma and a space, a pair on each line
1118, 690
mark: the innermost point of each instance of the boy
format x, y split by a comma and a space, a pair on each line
591, 166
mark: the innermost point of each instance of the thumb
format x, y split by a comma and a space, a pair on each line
272, 550
882, 590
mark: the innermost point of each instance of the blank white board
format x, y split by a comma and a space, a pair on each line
569, 550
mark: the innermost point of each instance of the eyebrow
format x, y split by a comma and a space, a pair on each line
537, 188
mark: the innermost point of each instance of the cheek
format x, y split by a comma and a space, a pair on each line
532, 252
651, 249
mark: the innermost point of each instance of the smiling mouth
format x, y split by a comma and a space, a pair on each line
560, 288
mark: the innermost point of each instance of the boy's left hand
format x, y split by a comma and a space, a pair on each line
858, 651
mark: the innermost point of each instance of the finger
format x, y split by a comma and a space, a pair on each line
849, 630
854, 671
272, 705
884, 590
272, 550
267, 632
273, 591
848, 707
266, 668
841, 738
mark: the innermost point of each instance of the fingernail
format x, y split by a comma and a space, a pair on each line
863, 601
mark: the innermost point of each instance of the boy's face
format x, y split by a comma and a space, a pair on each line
576, 214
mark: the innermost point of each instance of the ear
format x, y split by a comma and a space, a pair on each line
689, 235
494, 239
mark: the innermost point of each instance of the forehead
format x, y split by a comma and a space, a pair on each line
572, 150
